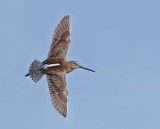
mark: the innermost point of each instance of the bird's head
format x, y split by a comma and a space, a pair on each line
74, 65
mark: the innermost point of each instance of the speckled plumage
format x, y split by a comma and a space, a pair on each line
56, 73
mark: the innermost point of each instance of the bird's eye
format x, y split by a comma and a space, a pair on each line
75, 63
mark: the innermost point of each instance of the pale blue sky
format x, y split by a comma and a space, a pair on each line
119, 39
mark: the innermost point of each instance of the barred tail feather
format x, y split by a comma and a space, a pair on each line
35, 70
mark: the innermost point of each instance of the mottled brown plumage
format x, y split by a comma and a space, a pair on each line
56, 66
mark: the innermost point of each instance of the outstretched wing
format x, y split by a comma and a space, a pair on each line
58, 92
61, 39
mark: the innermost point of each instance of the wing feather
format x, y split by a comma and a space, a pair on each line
58, 92
61, 39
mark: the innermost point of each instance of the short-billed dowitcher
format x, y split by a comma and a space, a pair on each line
56, 66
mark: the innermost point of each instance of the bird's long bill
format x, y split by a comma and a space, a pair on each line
87, 69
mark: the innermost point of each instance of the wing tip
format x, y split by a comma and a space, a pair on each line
59, 105
66, 16
63, 26
63, 110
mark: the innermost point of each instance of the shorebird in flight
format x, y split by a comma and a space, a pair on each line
56, 66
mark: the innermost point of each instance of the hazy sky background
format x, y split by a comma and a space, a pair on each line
119, 39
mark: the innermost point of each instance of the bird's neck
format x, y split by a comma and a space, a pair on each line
68, 67
69, 70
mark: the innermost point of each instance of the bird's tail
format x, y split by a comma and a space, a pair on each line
35, 71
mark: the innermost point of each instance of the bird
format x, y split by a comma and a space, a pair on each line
55, 66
